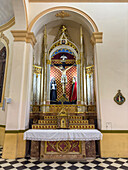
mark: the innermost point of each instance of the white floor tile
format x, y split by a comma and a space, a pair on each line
91, 165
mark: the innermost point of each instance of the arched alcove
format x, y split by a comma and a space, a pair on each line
48, 15
76, 28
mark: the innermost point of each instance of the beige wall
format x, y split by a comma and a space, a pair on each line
14, 146
112, 65
112, 60
8, 34
112, 57
2, 133
114, 145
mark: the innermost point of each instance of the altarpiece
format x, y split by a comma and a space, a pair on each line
63, 97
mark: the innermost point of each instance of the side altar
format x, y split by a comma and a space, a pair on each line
63, 118
62, 131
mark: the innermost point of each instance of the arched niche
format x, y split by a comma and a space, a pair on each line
81, 18
4, 53
50, 15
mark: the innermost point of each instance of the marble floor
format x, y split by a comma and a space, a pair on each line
98, 163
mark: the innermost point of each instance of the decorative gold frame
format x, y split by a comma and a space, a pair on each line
5, 41
64, 153
119, 94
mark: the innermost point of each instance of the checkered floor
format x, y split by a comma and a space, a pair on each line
23, 163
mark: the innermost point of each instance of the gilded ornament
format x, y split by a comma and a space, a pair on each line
37, 69
48, 61
62, 14
63, 28
89, 70
78, 61
64, 149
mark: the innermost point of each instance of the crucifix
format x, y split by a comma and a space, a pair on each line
63, 77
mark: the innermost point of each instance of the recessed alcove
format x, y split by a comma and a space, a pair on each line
63, 87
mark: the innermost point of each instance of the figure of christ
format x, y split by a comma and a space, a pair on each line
63, 77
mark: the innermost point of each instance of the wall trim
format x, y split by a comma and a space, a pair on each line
113, 131
26, 13
3, 126
25, 36
16, 131
92, 1
9, 24
5, 41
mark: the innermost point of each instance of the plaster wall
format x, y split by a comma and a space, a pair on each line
8, 34
114, 145
112, 60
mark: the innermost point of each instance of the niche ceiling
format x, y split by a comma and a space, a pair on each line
6, 11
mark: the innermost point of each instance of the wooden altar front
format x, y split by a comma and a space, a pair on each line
63, 150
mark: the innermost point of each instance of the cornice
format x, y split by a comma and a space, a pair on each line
2, 126
9, 24
113, 131
79, 1
16, 131
97, 37
23, 35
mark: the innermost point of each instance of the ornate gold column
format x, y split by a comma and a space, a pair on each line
78, 62
82, 65
90, 85
48, 81
37, 72
84, 82
45, 67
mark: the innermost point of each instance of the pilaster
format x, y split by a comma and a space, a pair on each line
2, 133
96, 40
20, 89
14, 145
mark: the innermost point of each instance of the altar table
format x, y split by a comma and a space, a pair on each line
63, 144
62, 134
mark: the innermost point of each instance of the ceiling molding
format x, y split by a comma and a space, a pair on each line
26, 13
9, 24
79, 1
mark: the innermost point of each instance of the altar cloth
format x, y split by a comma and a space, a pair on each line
62, 134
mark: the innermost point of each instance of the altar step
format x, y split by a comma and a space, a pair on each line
83, 122
72, 122
37, 126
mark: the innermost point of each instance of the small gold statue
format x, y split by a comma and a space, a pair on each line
64, 28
